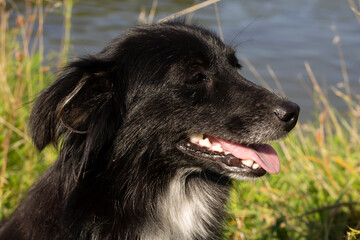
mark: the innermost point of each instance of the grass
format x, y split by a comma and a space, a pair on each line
22, 75
316, 195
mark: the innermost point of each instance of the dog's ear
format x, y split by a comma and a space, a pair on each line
85, 105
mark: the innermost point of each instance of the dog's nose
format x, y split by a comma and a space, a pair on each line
288, 113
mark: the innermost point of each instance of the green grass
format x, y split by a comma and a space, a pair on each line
316, 195
22, 76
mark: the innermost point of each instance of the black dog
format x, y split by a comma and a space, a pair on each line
150, 131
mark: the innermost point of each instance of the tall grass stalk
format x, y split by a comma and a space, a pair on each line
316, 195
22, 76
355, 8
68, 5
189, 10
41, 43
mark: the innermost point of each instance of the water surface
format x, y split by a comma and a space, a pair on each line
281, 34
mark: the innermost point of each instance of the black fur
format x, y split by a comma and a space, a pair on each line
117, 117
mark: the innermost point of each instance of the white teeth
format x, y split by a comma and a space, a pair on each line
195, 138
199, 140
255, 166
217, 148
247, 162
205, 143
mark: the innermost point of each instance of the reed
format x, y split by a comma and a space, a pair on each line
22, 75
316, 195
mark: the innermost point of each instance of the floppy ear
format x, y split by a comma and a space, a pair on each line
85, 105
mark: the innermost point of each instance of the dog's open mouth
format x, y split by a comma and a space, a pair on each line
252, 160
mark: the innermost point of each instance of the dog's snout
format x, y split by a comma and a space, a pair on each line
287, 113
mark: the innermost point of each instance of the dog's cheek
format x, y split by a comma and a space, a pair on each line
192, 96
254, 129
238, 125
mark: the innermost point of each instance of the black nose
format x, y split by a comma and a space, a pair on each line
288, 113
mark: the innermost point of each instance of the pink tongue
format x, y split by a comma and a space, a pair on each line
262, 154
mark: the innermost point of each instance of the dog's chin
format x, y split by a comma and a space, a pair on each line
236, 161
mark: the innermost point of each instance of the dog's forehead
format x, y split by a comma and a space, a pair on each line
176, 38
201, 39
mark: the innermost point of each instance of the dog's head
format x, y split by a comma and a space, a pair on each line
171, 91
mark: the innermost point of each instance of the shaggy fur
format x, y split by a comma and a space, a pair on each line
117, 118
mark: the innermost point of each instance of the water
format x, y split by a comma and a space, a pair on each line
282, 34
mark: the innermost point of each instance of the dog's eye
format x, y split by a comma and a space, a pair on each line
197, 79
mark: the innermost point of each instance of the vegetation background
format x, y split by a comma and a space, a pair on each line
316, 196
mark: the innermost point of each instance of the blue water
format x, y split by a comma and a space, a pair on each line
281, 34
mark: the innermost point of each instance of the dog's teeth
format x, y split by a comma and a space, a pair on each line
255, 166
247, 162
205, 143
196, 138
217, 148
227, 153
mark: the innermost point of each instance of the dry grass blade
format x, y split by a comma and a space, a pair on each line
256, 73
65, 44
325, 101
355, 9
14, 129
324, 208
147, 19
3, 63
344, 164
5, 146
344, 72
41, 42
353, 234
142, 15
188, 10
276, 80
218, 21
152, 11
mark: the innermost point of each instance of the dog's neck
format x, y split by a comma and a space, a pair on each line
192, 207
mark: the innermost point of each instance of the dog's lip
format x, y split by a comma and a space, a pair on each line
232, 155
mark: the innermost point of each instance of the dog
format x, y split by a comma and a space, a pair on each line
150, 133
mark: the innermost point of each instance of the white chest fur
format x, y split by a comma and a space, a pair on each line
185, 210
